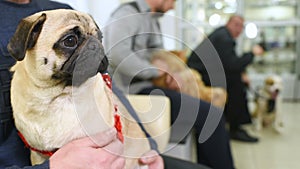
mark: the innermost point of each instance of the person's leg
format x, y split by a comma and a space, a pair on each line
237, 112
175, 163
215, 151
237, 104
231, 113
13, 152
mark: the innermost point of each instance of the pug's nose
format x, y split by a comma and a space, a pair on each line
104, 61
92, 46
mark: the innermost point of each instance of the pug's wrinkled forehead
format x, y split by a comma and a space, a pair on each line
43, 29
64, 21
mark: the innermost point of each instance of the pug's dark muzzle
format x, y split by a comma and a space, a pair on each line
85, 62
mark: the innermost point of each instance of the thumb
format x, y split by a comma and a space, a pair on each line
100, 139
148, 157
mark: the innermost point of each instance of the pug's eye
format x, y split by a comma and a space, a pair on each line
70, 41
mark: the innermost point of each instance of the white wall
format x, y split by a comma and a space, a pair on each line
101, 10
76, 4
168, 27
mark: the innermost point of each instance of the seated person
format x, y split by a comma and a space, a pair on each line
81, 153
223, 42
129, 40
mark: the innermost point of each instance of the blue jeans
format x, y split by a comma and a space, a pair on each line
14, 152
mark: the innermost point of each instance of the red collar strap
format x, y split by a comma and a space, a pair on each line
118, 124
46, 153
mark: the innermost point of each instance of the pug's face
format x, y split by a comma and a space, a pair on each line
59, 47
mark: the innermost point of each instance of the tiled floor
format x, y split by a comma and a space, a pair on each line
274, 151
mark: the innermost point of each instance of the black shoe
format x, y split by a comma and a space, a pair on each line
242, 135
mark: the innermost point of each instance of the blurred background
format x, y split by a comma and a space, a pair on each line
275, 24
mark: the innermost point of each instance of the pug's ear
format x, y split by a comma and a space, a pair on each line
25, 36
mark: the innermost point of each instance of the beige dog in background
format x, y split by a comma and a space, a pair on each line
56, 93
191, 81
268, 101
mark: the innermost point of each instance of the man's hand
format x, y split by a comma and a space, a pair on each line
174, 81
165, 77
245, 79
152, 159
161, 66
257, 50
100, 151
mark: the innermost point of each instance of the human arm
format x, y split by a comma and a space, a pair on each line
102, 150
257, 50
232, 63
225, 46
126, 40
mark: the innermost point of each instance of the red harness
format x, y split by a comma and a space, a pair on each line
118, 124
46, 153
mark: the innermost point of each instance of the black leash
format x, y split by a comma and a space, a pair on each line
133, 113
256, 93
271, 102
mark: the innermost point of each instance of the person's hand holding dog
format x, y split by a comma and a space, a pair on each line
169, 79
152, 159
161, 66
103, 151
174, 81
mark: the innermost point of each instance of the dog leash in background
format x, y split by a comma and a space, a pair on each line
118, 124
256, 93
271, 101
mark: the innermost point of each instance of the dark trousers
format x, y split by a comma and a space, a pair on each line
213, 148
236, 109
13, 152
175, 163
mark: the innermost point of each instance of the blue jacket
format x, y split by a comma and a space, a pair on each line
12, 151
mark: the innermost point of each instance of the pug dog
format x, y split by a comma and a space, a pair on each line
57, 92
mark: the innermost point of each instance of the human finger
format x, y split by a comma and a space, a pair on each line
148, 157
119, 163
152, 159
98, 140
115, 147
